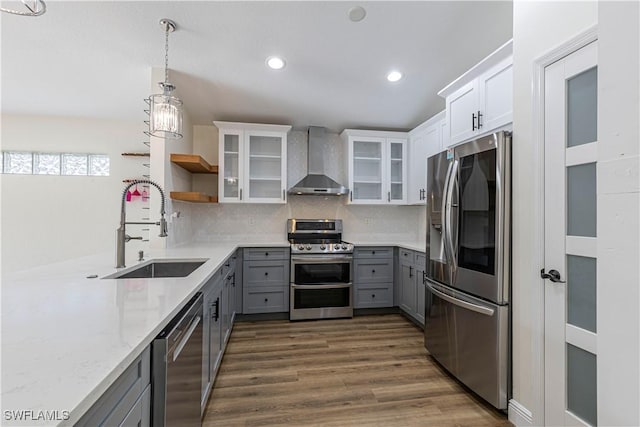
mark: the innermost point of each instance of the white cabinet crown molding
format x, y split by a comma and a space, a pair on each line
252, 126
500, 54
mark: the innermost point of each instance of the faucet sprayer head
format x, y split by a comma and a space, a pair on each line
163, 227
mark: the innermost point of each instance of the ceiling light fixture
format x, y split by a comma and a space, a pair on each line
394, 76
357, 13
34, 8
275, 63
165, 110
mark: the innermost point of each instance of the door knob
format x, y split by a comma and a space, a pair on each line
552, 275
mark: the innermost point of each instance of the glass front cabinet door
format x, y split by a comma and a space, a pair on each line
253, 162
376, 165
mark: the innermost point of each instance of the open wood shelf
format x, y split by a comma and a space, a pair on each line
193, 163
146, 154
192, 196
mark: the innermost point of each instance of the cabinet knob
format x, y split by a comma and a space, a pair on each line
266, 254
373, 272
373, 252
266, 300
373, 295
266, 273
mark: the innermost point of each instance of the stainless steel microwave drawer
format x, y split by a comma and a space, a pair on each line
265, 273
373, 252
373, 271
264, 254
374, 297
271, 301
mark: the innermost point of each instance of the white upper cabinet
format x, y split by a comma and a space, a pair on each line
424, 141
253, 162
377, 166
481, 100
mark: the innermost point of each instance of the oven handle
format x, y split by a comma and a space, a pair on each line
328, 286
322, 259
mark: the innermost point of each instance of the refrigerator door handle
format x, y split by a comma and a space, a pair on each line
460, 303
443, 220
448, 220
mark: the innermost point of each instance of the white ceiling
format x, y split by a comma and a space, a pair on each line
94, 59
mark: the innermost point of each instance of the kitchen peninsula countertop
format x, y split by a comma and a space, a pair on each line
66, 338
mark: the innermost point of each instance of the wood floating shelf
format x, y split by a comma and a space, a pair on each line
192, 196
136, 154
193, 163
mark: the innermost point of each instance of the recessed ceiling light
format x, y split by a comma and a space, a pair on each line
357, 13
394, 76
275, 62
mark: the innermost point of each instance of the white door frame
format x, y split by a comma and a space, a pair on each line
538, 319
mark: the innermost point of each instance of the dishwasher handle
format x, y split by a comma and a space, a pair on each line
178, 349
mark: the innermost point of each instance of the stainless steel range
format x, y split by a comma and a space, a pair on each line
321, 270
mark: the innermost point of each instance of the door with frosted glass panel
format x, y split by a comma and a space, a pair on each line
368, 170
570, 240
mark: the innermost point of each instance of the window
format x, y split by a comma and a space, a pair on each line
72, 164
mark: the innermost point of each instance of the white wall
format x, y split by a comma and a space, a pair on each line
52, 218
618, 277
538, 27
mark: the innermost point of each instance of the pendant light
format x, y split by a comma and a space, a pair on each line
33, 8
165, 110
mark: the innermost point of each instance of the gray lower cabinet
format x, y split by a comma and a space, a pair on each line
128, 401
411, 289
265, 280
211, 342
373, 277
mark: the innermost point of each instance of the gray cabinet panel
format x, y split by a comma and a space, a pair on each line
373, 252
375, 297
372, 271
266, 301
140, 414
115, 404
264, 254
265, 273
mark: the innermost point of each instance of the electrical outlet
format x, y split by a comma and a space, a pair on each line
252, 221
368, 221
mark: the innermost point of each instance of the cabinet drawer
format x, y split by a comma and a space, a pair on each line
373, 271
421, 261
374, 297
251, 254
265, 273
270, 301
406, 256
373, 252
113, 407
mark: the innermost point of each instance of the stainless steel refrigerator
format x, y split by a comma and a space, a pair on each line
467, 276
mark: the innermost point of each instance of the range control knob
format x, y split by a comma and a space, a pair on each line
323, 247
301, 247
308, 247
344, 247
336, 247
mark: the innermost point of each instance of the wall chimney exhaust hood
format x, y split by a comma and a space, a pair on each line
316, 183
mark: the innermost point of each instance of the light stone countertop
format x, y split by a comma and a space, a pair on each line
67, 338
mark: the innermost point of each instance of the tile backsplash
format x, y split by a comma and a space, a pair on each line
266, 222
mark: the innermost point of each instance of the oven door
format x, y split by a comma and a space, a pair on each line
321, 287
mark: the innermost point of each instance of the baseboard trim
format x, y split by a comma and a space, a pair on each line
519, 415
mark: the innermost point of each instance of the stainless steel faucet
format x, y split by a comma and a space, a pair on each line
121, 236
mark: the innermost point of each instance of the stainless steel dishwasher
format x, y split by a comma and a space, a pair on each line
177, 369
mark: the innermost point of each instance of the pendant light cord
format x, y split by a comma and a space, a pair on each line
166, 55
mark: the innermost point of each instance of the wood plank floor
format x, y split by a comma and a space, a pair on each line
365, 371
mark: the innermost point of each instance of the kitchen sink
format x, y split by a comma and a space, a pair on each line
160, 268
